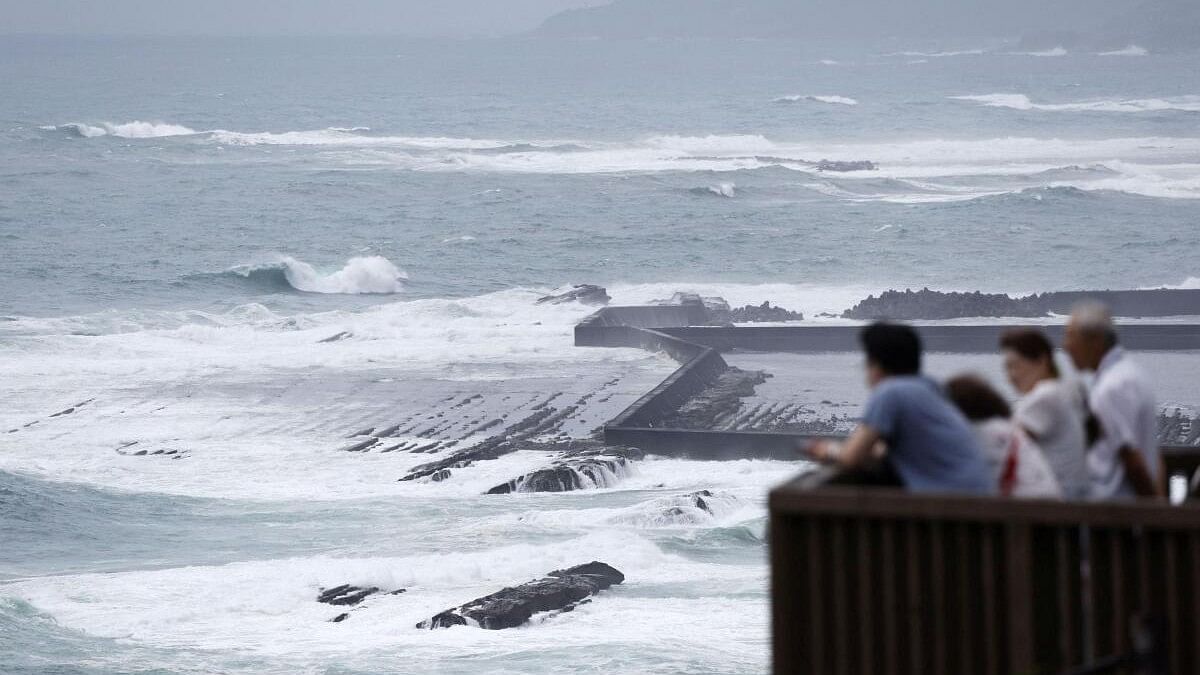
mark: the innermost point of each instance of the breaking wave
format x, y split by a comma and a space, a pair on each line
938, 55
1131, 50
727, 190
360, 275
1057, 51
134, 129
799, 98
1136, 105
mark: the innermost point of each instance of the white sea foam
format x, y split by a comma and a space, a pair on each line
267, 608
1130, 50
351, 138
836, 100
1139, 105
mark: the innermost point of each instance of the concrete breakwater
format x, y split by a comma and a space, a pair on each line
652, 423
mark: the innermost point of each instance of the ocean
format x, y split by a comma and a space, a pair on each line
185, 224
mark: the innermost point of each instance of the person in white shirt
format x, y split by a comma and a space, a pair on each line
1124, 461
1050, 409
1017, 464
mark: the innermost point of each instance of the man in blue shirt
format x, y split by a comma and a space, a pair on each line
928, 441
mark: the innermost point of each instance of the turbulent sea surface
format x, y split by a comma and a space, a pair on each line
183, 223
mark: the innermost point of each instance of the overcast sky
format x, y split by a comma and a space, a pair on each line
279, 17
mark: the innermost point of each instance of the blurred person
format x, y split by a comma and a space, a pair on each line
908, 419
1017, 463
1124, 460
1050, 410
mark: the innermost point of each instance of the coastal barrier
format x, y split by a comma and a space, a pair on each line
679, 331
870, 579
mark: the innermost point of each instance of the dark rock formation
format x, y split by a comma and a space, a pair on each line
927, 304
346, 595
561, 591
720, 313
762, 313
588, 294
572, 474
842, 166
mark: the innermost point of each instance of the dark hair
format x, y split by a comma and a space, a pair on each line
976, 398
1030, 344
894, 347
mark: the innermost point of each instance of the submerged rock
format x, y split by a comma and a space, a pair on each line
588, 294
561, 591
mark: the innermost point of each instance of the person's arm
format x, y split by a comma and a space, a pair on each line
1138, 473
857, 450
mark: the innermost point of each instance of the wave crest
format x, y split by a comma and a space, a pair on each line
359, 276
1131, 50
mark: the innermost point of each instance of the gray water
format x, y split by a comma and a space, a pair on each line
182, 221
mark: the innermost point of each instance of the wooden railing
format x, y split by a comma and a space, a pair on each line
870, 579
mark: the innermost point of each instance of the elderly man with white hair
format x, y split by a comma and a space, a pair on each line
1123, 460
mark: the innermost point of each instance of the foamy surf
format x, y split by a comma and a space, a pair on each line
1138, 105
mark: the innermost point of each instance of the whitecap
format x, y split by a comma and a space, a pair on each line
134, 129
1130, 50
832, 99
1057, 51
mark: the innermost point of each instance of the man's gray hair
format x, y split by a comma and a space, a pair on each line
1093, 318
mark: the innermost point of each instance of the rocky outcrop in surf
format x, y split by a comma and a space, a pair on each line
588, 294
345, 595
558, 592
720, 312
578, 473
